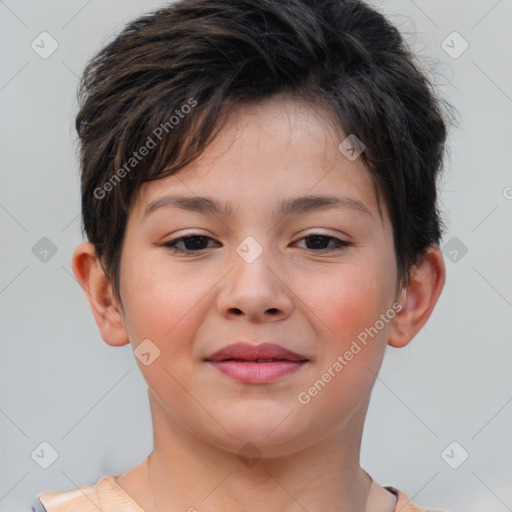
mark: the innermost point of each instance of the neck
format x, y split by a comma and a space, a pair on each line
324, 476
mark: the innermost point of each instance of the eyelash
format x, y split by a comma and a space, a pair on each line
340, 245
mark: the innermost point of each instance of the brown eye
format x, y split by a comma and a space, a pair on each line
192, 244
321, 242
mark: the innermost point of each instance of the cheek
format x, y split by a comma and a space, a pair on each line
349, 301
160, 309
348, 307
164, 305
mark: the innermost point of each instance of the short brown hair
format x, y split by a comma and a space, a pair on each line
342, 54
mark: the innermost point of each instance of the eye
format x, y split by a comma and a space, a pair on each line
318, 242
193, 244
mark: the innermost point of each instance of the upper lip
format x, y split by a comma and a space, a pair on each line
250, 352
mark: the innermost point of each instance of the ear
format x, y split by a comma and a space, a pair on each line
418, 298
99, 291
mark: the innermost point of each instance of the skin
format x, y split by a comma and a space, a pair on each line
294, 293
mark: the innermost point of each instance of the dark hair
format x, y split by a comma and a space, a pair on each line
203, 58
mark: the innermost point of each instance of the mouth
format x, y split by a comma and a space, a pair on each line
256, 364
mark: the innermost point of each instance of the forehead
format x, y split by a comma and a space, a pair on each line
266, 154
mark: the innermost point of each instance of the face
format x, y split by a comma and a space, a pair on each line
317, 278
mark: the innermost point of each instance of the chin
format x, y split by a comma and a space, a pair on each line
269, 430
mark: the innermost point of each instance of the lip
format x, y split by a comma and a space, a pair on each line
257, 364
250, 352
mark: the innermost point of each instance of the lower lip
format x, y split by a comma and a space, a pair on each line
257, 373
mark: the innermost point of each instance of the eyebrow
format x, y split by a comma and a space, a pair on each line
291, 206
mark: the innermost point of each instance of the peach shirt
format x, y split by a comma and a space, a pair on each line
107, 495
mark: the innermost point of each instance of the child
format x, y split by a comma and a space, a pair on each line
255, 128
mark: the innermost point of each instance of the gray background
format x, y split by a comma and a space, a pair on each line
60, 383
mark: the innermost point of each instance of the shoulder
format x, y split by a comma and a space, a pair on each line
104, 495
81, 499
405, 504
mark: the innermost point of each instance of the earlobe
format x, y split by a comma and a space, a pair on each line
92, 279
418, 298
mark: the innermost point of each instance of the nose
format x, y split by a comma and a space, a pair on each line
255, 291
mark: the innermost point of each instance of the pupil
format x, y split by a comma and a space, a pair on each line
189, 240
317, 238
